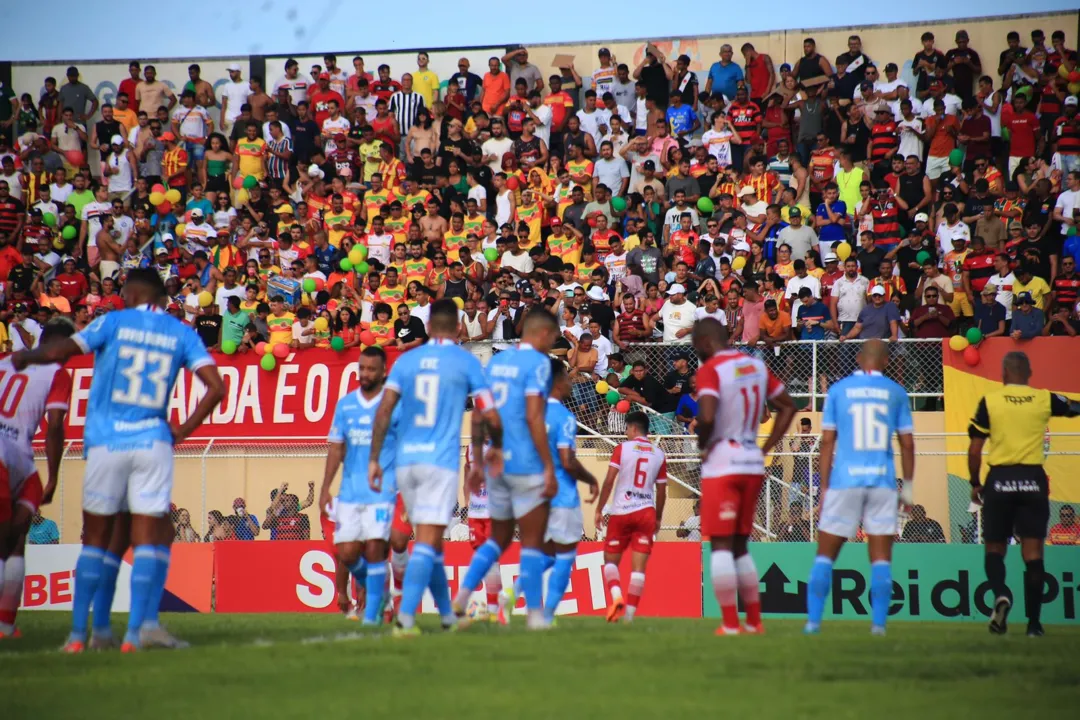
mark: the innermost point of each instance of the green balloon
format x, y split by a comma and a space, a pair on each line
362, 267
345, 264
612, 397
922, 257
618, 204
250, 181
956, 158
309, 285
491, 254
268, 362
974, 335
903, 232
362, 249
337, 344
69, 232
705, 205
49, 219
228, 347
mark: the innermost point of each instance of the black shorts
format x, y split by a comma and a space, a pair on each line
217, 183
1016, 501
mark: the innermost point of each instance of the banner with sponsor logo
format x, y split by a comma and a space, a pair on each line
50, 579
303, 578
930, 582
295, 400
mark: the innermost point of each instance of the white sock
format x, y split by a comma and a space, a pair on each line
635, 590
11, 586
724, 577
611, 579
493, 585
749, 587
398, 561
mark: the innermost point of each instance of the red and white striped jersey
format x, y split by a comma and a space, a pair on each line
741, 384
478, 502
24, 398
641, 466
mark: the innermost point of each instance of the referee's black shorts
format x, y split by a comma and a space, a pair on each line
1016, 501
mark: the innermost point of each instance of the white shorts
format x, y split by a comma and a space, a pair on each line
357, 522
875, 508
936, 167
565, 526
429, 493
139, 481
110, 269
514, 496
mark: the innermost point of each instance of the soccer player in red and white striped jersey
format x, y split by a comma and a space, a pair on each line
732, 391
26, 397
638, 475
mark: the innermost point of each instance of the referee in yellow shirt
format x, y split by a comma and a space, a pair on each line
1016, 497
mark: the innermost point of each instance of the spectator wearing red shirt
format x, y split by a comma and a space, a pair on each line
933, 319
1023, 128
746, 118
127, 85
975, 131
73, 285
1067, 530
110, 300
319, 99
384, 87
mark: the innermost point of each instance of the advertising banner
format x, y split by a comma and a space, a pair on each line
303, 578
930, 582
50, 579
296, 399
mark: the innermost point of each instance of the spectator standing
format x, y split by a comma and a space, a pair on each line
677, 315
878, 320
245, 525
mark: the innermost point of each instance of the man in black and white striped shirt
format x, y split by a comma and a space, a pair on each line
404, 105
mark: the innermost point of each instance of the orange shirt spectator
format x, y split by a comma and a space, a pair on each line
496, 91
942, 131
1066, 532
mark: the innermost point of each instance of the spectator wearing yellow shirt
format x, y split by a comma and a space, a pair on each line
1029, 283
250, 158
338, 220
368, 149
425, 82
279, 322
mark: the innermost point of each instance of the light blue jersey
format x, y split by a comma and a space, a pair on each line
562, 433
514, 375
865, 410
354, 418
434, 381
137, 355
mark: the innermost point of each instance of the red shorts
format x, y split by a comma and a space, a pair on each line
634, 530
400, 523
479, 531
29, 494
728, 504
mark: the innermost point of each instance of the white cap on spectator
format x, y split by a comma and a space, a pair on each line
741, 246
167, 236
196, 213
676, 289
597, 293
1072, 100
922, 217
116, 140
878, 290
747, 190
831, 257
161, 251
234, 67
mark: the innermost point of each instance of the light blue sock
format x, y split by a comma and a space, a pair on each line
440, 589
532, 578
557, 582
485, 556
103, 597
142, 580
88, 571
880, 592
417, 578
549, 562
376, 587
157, 586
359, 571
818, 590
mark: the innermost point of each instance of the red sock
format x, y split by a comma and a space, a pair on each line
611, 581
749, 589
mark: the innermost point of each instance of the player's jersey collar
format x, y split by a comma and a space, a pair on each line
373, 402
147, 307
872, 373
441, 341
525, 346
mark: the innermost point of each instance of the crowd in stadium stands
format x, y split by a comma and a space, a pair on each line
819, 200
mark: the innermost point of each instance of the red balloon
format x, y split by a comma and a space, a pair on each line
592, 222
319, 284
260, 349
367, 337
971, 355
512, 182
1074, 76
159, 188
281, 351
622, 406
238, 182
164, 208
76, 158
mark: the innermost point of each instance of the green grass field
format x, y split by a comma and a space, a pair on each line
275, 666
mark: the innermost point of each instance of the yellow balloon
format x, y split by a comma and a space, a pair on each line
321, 324
958, 343
738, 263
173, 195
460, 303
205, 299
356, 256
180, 229
843, 251
242, 196
157, 198
602, 387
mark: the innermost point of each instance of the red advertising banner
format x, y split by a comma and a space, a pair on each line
303, 578
296, 399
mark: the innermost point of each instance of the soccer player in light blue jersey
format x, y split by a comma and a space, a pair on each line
858, 479
520, 381
431, 385
361, 515
128, 443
